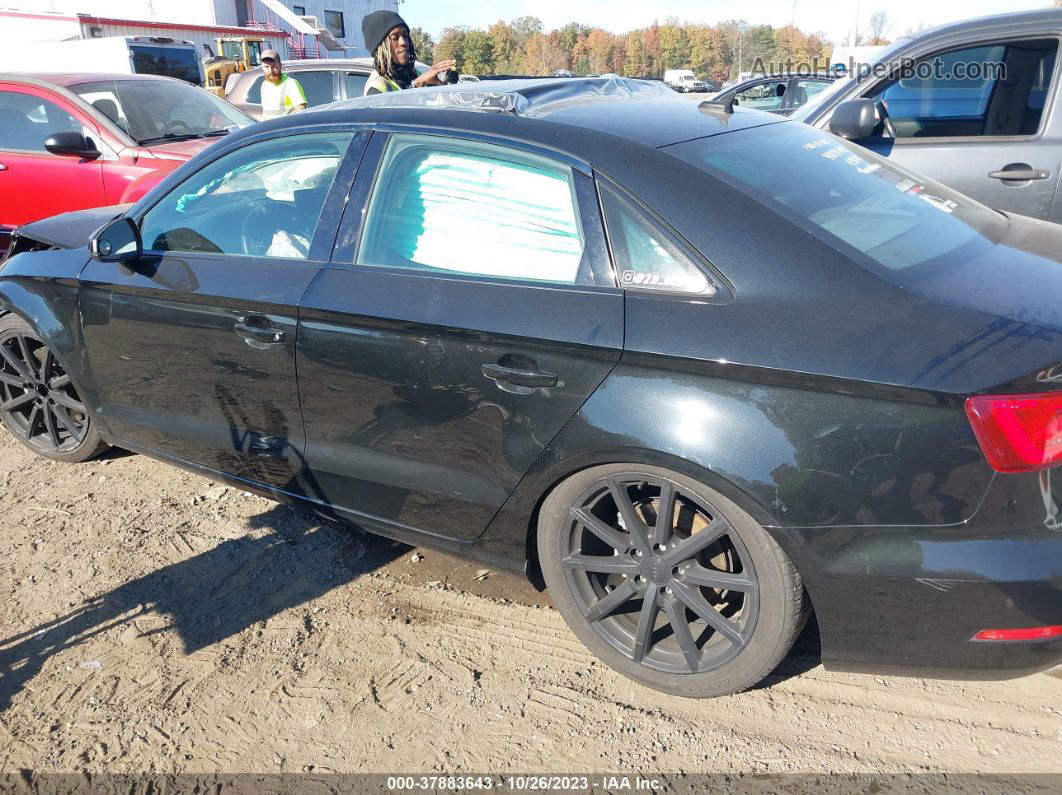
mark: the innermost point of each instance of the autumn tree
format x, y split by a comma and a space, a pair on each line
879, 25
600, 46
423, 44
505, 47
476, 53
451, 45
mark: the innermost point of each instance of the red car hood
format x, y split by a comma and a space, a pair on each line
180, 150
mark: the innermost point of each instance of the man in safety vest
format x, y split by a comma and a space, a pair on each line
281, 94
387, 38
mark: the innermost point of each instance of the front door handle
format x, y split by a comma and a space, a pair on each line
519, 376
3, 167
1019, 175
259, 333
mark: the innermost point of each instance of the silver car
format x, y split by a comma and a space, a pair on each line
323, 79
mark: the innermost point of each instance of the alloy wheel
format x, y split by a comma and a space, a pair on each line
660, 574
38, 401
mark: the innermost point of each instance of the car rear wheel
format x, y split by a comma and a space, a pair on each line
668, 581
39, 403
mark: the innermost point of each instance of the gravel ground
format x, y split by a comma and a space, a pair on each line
156, 622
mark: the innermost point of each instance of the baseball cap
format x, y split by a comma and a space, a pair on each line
270, 55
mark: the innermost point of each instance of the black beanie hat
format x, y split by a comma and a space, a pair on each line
376, 26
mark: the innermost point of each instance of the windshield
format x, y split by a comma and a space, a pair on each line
857, 202
151, 111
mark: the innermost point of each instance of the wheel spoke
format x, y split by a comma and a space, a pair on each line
27, 357
608, 603
49, 423
11, 380
665, 514
21, 400
31, 423
686, 549
43, 372
697, 574
646, 623
676, 615
67, 424
699, 605
59, 381
603, 564
635, 526
64, 400
614, 538
16, 365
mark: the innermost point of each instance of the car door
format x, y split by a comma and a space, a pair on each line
978, 119
455, 332
192, 347
34, 183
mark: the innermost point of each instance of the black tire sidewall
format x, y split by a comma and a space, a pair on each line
90, 446
781, 607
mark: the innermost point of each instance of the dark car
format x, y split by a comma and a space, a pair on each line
70, 142
706, 372
975, 104
781, 94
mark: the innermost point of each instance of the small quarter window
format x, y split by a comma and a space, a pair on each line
645, 260
463, 207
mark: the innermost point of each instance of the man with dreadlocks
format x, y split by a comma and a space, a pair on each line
387, 38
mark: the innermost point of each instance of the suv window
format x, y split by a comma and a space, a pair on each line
262, 200
26, 121
645, 259
762, 96
995, 89
317, 84
462, 207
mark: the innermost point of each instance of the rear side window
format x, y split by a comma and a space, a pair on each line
27, 121
995, 89
847, 195
645, 259
355, 84
461, 207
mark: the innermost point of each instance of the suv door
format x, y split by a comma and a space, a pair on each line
455, 332
34, 183
192, 347
977, 119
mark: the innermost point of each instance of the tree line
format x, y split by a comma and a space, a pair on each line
719, 52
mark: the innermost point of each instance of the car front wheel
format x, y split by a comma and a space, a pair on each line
668, 581
39, 403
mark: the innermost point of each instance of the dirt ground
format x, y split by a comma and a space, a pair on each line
152, 621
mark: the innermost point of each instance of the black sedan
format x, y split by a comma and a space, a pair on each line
706, 372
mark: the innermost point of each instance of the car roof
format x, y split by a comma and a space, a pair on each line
335, 63
1035, 17
66, 79
642, 112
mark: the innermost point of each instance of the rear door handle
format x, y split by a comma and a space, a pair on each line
1020, 176
258, 332
533, 379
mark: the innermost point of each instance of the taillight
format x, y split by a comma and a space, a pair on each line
1018, 433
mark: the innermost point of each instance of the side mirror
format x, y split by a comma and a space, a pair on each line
854, 119
72, 143
118, 241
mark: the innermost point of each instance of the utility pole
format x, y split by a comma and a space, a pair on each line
792, 21
855, 35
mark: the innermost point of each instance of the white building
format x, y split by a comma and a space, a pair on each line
303, 29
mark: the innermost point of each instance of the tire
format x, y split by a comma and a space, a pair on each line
39, 404
756, 594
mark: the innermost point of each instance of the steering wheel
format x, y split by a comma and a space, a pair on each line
264, 218
173, 125
888, 129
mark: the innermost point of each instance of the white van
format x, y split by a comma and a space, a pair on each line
683, 80
142, 55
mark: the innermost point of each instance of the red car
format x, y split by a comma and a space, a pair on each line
70, 142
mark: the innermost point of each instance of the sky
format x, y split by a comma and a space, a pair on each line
836, 18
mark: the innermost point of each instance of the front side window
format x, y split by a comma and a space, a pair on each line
262, 200
27, 121
334, 23
995, 89
645, 259
155, 111
460, 207
847, 195
763, 96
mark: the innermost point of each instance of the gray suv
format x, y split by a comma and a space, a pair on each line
323, 79
978, 109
